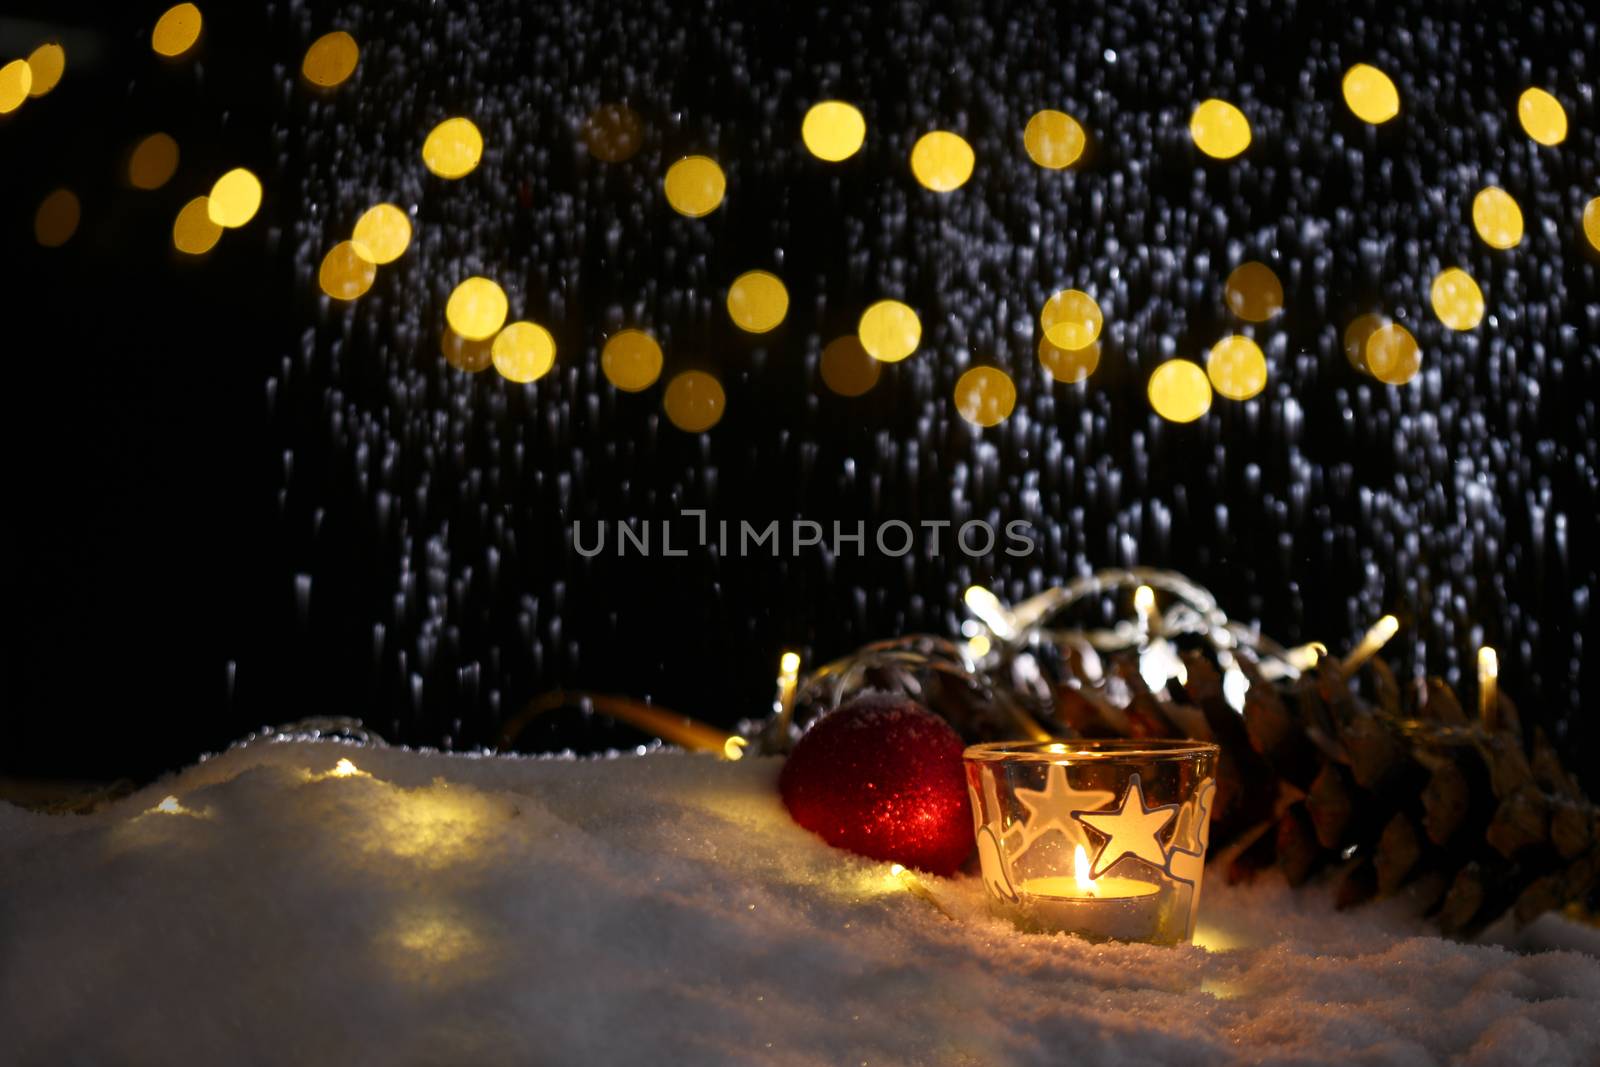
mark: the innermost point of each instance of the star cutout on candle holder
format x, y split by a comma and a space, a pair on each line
1130, 831
1053, 808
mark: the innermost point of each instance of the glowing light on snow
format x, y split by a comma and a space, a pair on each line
1179, 391
1371, 94
1374, 639
193, 232
1053, 139
169, 806
1456, 299
47, 63
345, 769
476, 309
613, 133
631, 360
56, 220
347, 271
985, 396
331, 59
941, 161
153, 162
846, 367
523, 352
757, 301
833, 130
694, 401
1253, 292
176, 30
1542, 116
1497, 218
453, 148
695, 186
889, 331
235, 199
1219, 129
1237, 368
1392, 354
1068, 365
16, 79
1071, 319
384, 231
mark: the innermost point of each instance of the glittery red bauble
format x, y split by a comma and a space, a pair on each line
882, 776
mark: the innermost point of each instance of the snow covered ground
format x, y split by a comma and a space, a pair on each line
451, 910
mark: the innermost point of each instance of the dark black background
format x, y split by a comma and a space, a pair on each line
149, 578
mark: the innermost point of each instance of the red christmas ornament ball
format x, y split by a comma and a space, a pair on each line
882, 776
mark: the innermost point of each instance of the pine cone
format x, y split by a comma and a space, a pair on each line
1382, 788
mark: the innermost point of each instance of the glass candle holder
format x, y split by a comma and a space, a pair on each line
1105, 839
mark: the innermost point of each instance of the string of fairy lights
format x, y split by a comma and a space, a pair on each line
480, 333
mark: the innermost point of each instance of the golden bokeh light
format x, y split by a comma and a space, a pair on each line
1392, 354
47, 63
347, 271
757, 301
942, 161
631, 360
1180, 391
16, 80
1053, 139
465, 355
1219, 129
1457, 300
476, 309
1069, 365
1497, 218
193, 232
523, 351
331, 59
695, 186
847, 369
1237, 368
1253, 292
1542, 116
57, 218
613, 133
1371, 94
384, 231
833, 130
985, 396
453, 148
153, 162
176, 30
694, 401
1071, 319
889, 331
1356, 335
234, 199
1591, 223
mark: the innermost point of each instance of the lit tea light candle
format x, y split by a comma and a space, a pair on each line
1104, 839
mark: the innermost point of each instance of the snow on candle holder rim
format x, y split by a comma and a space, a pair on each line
1104, 839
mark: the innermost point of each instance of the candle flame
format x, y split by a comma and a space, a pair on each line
1080, 870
